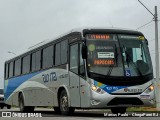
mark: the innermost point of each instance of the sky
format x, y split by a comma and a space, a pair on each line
24, 23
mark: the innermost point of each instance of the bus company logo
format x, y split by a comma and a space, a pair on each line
6, 114
132, 90
49, 77
112, 88
22, 115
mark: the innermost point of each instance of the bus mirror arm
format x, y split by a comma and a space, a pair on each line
84, 51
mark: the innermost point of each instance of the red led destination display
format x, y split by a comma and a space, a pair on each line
103, 62
98, 36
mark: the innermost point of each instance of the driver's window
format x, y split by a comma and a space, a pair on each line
82, 67
74, 58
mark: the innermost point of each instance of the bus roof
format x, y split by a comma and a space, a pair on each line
83, 31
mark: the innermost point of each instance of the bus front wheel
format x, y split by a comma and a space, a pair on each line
117, 110
64, 107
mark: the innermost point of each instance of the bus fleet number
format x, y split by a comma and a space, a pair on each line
49, 77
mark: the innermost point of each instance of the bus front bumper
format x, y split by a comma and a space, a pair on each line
107, 100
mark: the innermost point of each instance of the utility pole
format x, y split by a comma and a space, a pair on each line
157, 82
157, 60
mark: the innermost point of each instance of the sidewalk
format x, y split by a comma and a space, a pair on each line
152, 109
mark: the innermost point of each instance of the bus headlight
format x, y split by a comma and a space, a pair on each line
149, 89
94, 88
97, 89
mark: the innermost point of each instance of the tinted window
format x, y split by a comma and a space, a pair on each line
82, 67
33, 62
26, 65
11, 69
64, 51
36, 61
74, 58
17, 68
48, 57
57, 54
6, 71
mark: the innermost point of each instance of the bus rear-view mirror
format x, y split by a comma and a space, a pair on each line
84, 51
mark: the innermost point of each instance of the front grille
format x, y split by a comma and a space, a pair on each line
125, 101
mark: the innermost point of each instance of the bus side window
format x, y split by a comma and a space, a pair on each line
33, 67
57, 54
47, 57
64, 51
26, 64
74, 58
6, 71
36, 61
17, 68
10, 69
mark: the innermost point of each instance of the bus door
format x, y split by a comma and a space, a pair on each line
74, 75
84, 84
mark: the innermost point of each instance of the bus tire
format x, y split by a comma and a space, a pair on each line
57, 110
8, 106
64, 106
2, 107
30, 108
22, 107
117, 110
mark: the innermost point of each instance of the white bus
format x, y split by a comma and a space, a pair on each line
87, 68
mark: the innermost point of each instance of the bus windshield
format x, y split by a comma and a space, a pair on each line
118, 55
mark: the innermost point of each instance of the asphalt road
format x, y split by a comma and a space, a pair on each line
78, 115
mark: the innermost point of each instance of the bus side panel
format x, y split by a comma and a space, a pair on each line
15, 99
39, 89
85, 92
38, 97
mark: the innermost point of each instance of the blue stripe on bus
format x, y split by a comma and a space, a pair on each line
13, 83
108, 88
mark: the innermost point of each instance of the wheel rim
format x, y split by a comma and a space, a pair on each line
64, 103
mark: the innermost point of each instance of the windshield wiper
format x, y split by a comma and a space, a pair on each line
111, 66
129, 57
110, 70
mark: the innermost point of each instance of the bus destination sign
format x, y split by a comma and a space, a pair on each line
98, 36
